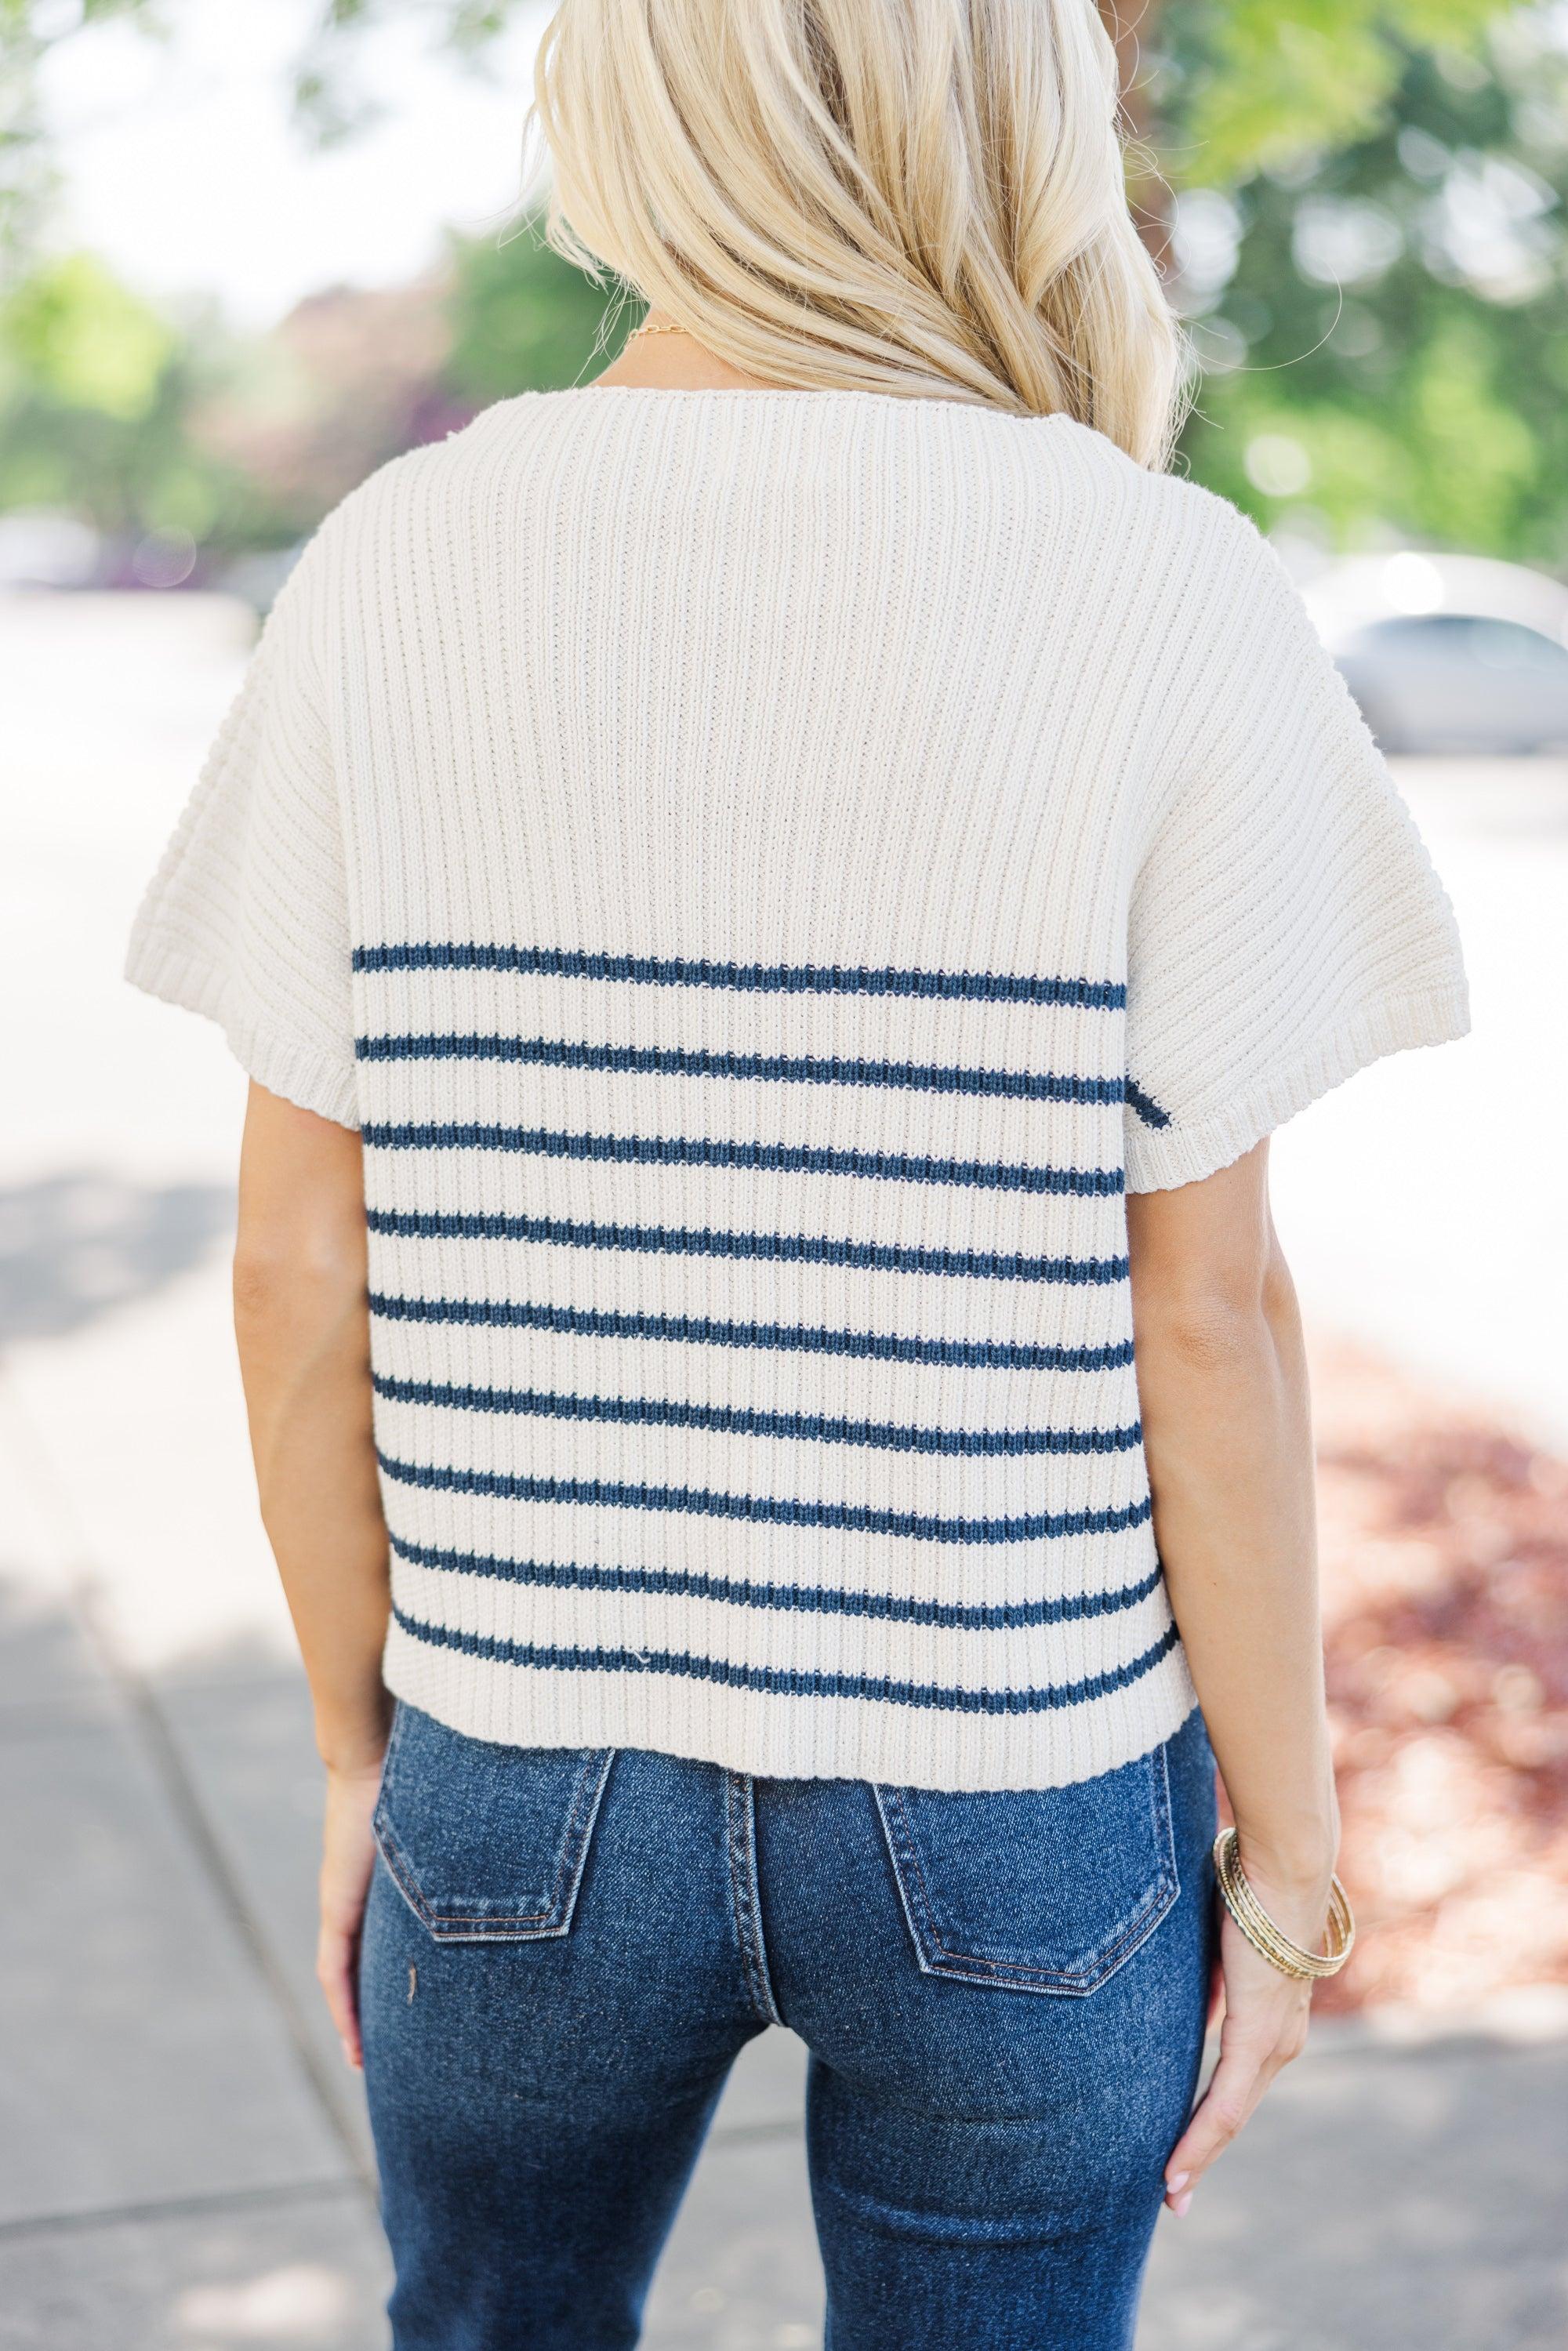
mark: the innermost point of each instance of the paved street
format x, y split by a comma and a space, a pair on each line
182, 2159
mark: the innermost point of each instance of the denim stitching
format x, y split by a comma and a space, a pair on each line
401, 1864
389, 1761
580, 1829
501, 1925
945, 1958
741, 1843
742, 1851
954, 1961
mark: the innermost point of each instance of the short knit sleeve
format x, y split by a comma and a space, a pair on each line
1286, 926
246, 920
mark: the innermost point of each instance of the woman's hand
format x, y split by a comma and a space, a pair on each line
1265, 2027
348, 1857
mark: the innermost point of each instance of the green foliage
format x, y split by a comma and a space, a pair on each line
523, 319
1386, 336
95, 392
78, 338
1265, 83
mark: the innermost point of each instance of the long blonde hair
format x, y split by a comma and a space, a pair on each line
916, 196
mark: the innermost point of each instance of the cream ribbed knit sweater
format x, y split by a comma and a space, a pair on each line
765, 872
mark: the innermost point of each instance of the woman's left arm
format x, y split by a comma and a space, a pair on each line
1222, 1385
302, 1324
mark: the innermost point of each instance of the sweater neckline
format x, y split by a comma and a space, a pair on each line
790, 391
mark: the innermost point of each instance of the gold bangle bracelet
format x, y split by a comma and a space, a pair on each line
1259, 1930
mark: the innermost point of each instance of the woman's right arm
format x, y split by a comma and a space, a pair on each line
1228, 1432
301, 1320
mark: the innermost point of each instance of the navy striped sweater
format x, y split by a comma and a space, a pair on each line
766, 874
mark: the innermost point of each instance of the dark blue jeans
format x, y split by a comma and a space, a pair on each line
1003, 1996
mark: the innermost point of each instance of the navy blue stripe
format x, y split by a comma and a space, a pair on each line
1147, 1109
681, 1061
775, 1249
775, 1158
737, 1420
757, 979
796, 1338
768, 1509
793, 1682
809, 1599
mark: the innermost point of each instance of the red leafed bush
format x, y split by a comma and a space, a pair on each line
1444, 1550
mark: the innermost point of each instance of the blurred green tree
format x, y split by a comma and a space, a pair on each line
1266, 81
94, 387
523, 319
1383, 328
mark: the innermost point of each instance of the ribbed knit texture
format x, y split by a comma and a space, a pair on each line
766, 870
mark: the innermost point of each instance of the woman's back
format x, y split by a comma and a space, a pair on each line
766, 871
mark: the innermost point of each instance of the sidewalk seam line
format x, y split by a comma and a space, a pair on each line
176, 2208
207, 1849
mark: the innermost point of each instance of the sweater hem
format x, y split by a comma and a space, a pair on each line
1164, 1160
303, 1074
788, 1737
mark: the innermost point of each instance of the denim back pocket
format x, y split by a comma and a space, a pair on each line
486, 1843
1040, 1889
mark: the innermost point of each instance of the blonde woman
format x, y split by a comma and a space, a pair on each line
775, 899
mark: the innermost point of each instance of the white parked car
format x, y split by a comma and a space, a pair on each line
1448, 653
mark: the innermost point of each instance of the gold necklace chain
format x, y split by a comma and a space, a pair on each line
646, 330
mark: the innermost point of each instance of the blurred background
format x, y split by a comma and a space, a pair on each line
249, 249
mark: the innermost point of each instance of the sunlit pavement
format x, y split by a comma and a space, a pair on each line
182, 2161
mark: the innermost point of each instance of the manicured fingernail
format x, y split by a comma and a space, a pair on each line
1176, 2180
1182, 2205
